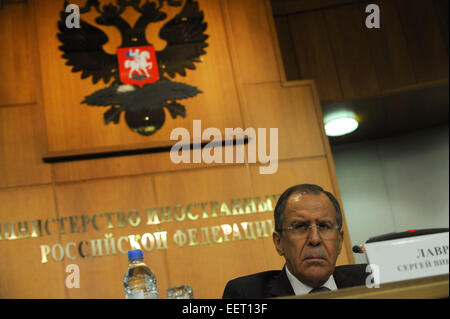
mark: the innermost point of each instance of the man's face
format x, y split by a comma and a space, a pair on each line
310, 258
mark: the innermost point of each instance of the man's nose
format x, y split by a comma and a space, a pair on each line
314, 238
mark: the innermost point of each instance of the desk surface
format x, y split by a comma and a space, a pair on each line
422, 288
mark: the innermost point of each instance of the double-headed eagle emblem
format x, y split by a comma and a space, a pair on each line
141, 76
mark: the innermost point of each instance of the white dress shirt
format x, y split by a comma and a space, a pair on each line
302, 289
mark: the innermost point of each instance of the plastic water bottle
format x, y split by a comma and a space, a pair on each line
139, 281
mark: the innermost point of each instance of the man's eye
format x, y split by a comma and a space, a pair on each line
325, 226
301, 226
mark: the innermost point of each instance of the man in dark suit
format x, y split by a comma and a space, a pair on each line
308, 234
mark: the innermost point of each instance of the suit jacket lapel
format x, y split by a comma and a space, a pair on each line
344, 280
280, 286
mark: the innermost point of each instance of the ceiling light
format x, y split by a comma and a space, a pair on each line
340, 123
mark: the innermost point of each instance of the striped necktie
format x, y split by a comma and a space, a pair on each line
319, 289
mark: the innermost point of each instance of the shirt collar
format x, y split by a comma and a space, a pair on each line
302, 289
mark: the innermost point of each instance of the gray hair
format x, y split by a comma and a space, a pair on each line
303, 189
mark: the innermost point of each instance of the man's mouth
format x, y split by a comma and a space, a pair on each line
314, 258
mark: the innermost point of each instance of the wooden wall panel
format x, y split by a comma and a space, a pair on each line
314, 54
410, 48
250, 40
121, 166
389, 50
207, 268
292, 111
425, 42
351, 49
16, 65
286, 7
21, 147
24, 276
287, 49
74, 126
101, 277
441, 7
298, 171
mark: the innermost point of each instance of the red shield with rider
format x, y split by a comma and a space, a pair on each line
138, 65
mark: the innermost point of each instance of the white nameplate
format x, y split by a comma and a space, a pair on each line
410, 258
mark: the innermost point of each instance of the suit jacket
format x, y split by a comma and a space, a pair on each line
275, 283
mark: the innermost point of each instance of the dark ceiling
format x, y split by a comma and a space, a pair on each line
396, 113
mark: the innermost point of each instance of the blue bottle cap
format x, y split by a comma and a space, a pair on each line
135, 254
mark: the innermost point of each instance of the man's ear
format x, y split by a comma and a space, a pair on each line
277, 242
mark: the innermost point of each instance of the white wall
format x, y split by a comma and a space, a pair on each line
395, 184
